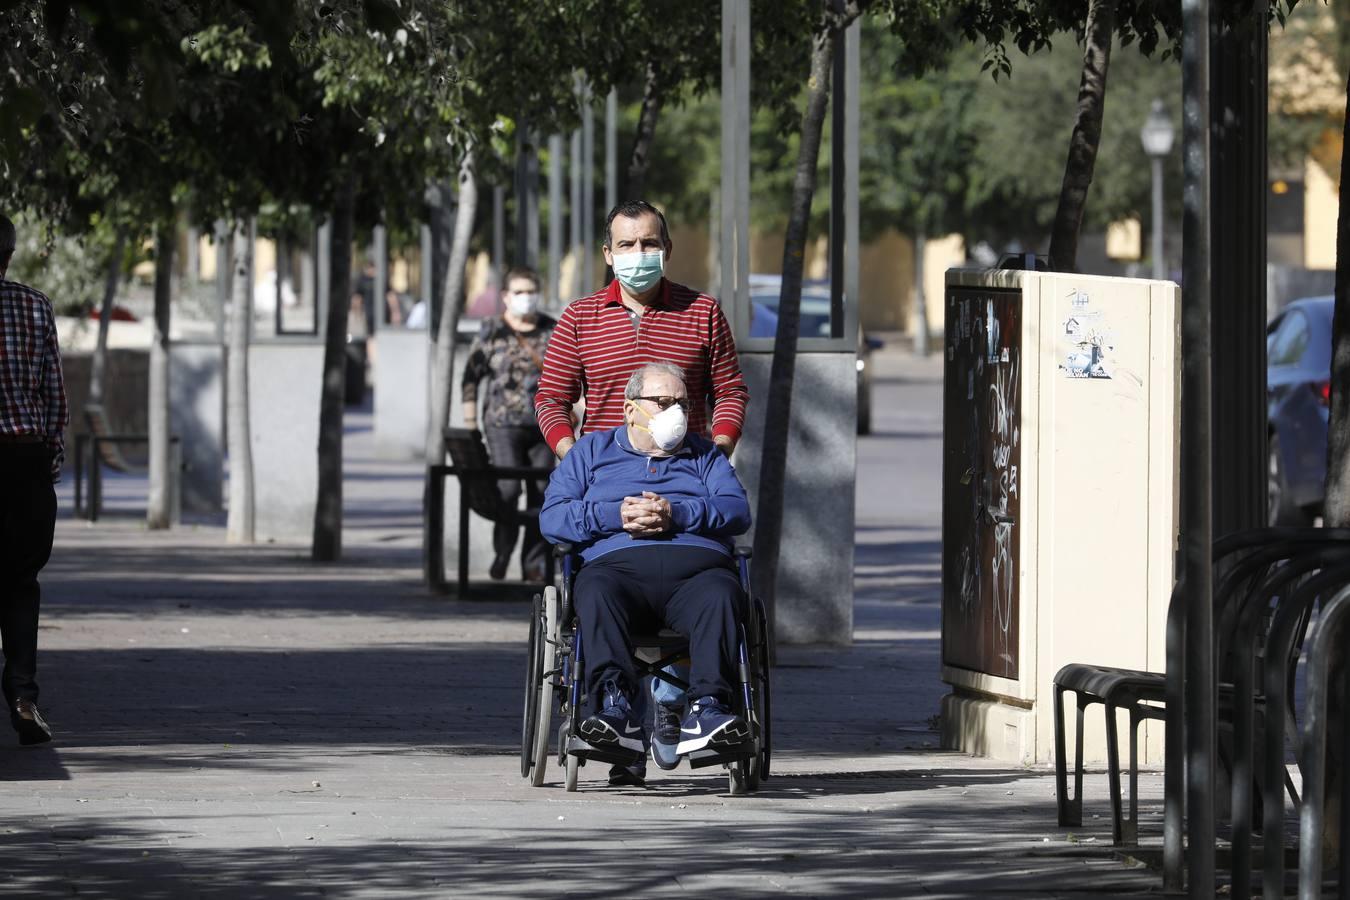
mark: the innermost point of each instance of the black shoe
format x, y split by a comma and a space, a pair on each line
28, 722
498, 569
615, 725
633, 775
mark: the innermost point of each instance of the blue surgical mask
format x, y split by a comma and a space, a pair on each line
639, 271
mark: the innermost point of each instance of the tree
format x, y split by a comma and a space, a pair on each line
159, 512
834, 19
1087, 133
241, 521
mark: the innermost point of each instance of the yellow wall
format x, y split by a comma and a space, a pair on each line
1320, 210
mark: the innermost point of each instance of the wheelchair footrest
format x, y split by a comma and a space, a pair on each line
613, 755
713, 757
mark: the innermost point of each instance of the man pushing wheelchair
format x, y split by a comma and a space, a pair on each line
651, 511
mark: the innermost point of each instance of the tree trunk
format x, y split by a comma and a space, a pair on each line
99, 364
442, 378
328, 507
239, 525
1336, 507
1087, 135
778, 408
159, 511
921, 335
652, 99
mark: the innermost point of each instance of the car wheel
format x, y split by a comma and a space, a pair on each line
1280, 506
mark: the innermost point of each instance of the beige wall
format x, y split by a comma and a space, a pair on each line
1320, 210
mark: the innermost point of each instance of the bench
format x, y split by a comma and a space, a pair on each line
478, 493
99, 446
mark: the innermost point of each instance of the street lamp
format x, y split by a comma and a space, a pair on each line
1156, 136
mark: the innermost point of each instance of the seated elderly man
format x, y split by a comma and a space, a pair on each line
652, 511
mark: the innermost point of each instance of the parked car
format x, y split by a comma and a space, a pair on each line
1298, 392
815, 322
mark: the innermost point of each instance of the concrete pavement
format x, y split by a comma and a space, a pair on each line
240, 722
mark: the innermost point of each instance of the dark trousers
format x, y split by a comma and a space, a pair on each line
693, 590
519, 446
27, 522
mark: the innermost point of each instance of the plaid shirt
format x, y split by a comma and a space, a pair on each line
32, 391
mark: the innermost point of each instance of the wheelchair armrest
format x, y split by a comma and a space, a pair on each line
743, 552
563, 550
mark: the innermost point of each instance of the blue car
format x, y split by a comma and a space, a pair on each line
1298, 392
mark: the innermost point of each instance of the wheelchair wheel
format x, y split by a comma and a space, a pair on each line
547, 619
573, 764
743, 776
763, 706
534, 666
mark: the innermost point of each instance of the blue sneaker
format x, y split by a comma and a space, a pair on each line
710, 724
615, 725
666, 735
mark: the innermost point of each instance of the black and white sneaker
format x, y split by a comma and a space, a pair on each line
710, 724
615, 725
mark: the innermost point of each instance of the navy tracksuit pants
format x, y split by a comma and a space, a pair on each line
693, 590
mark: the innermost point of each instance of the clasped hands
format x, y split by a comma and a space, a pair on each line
645, 516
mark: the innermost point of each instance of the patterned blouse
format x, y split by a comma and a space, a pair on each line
511, 363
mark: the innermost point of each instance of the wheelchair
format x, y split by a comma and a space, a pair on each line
555, 685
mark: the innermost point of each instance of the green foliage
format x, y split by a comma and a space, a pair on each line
69, 270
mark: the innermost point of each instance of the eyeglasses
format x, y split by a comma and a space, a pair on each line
665, 403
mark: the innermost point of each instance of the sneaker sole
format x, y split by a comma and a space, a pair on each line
729, 735
666, 756
597, 733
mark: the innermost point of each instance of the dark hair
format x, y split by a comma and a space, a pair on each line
636, 209
522, 272
8, 239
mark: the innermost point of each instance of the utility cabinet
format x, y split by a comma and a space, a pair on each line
1059, 495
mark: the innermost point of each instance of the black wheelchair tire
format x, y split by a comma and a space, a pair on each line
763, 694
533, 677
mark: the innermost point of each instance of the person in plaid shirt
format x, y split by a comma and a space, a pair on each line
33, 419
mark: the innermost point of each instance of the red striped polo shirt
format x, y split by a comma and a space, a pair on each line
597, 346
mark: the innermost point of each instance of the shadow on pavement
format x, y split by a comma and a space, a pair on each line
923, 849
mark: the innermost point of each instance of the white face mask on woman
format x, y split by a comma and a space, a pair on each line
523, 305
667, 427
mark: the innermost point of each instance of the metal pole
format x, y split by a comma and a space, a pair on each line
499, 230
587, 188
527, 200
379, 248
852, 296
223, 269
323, 251
424, 267
611, 150
837, 177
1196, 500
727, 204
1159, 263
741, 140
574, 222
555, 219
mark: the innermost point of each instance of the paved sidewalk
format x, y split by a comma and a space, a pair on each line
239, 722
